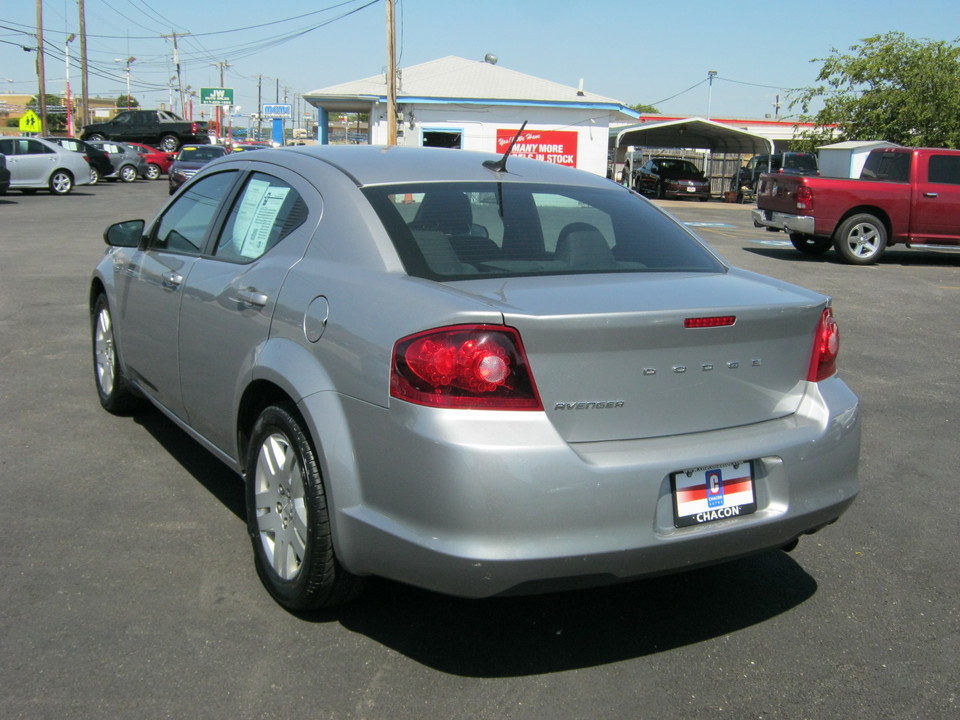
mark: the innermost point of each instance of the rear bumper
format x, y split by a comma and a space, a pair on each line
802, 224
477, 504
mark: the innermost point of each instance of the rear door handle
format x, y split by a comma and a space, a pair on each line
931, 194
253, 297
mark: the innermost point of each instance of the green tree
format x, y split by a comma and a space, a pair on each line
56, 112
645, 109
888, 87
125, 102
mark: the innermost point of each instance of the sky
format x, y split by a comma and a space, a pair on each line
633, 51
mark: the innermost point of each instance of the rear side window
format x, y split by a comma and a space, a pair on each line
888, 166
265, 212
467, 230
945, 169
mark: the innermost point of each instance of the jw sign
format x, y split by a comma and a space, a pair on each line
216, 96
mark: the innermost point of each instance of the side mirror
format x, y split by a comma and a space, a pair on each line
124, 234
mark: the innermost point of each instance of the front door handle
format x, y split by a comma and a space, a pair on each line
172, 280
931, 195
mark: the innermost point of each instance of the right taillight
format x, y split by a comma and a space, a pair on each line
479, 367
826, 346
804, 198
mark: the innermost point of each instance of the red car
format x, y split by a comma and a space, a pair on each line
158, 162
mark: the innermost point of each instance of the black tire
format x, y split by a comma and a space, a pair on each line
96, 137
861, 239
153, 171
287, 516
61, 182
112, 388
658, 191
127, 174
169, 143
810, 245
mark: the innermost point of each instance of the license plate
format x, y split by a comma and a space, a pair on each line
717, 492
691, 188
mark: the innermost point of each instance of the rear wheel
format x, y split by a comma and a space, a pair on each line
128, 173
153, 171
810, 245
96, 137
61, 182
861, 239
288, 518
169, 143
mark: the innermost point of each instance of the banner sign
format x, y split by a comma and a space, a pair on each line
553, 146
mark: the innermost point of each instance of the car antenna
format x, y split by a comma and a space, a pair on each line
501, 164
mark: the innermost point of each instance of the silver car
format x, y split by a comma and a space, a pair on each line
472, 378
127, 163
36, 164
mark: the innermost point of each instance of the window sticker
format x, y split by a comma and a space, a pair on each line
257, 216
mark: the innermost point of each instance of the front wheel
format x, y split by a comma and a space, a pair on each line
94, 175
810, 245
61, 182
128, 173
153, 171
114, 393
861, 239
288, 518
96, 137
169, 143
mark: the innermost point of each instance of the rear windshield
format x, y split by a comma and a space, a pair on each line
800, 161
465, 230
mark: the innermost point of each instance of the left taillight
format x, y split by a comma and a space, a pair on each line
481, 367
804, 198
826, 347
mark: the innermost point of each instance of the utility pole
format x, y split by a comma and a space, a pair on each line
41, 75
84, 97
391, 77
70, 39
219, 109
711, 74
259, 105
176, 62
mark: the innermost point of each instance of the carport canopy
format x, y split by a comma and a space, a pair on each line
690, 133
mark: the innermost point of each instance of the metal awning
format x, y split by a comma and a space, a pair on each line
690, 133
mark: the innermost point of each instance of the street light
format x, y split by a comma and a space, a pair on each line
127, 71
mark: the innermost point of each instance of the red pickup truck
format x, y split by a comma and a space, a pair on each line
904, 195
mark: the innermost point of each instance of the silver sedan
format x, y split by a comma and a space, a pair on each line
37, 164
477, 378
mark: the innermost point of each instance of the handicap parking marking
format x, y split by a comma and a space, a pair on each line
773, 243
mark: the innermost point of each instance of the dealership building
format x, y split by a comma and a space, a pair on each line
478, 105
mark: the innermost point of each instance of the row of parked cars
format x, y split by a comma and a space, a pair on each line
58, 164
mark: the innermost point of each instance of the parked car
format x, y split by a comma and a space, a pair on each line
127, 163
189, 161
784, 163
37, 164
100, 165
168, 130
158, 161
666, 177
4, 175
247, 146
904, 195
474, 379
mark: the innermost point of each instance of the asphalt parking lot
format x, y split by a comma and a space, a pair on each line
129, 589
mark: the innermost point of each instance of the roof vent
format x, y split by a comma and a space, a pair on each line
490, 58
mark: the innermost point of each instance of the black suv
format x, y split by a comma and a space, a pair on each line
791, 163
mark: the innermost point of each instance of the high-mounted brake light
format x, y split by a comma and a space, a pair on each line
826, 347
710, 322
464, 366
804, 198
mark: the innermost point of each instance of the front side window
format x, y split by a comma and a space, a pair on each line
266, 211
945, 169
469, 230
183, 228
